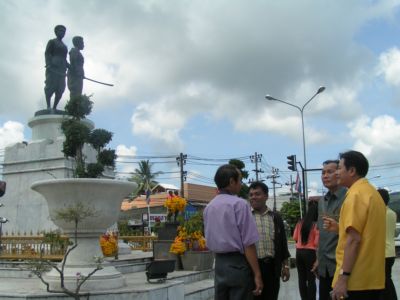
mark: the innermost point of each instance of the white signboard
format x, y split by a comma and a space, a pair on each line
162, 217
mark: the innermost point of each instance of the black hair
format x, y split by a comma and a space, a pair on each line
224, 174
331, 161
357, 160
385, 195
308, 221
259, 184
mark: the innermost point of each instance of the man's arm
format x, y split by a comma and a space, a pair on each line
350, 255
282, 237
330, 224
285, 268
285, 272
251, 256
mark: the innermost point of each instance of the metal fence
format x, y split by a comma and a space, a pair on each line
20, 247
143, 243
26, 247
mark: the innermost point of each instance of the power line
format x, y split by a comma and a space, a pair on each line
242, 158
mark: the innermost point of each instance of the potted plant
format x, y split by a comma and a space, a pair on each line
104, 196
190, 244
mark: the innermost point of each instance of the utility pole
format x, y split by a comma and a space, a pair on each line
256, 158
274, 175
291, 187
181, 160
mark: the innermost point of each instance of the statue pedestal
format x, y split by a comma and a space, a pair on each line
48, 126
25, 163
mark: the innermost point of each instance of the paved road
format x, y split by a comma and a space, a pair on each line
289, 290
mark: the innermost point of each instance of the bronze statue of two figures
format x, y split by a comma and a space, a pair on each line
57, 67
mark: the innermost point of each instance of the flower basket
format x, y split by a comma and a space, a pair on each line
190, 244
109, 244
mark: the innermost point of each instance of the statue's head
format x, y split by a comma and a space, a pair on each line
77, 41
60, 30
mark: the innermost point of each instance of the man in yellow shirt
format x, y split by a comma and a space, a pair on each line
360, 253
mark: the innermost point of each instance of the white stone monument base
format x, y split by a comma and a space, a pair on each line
105, 279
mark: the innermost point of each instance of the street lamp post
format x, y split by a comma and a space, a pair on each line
301, 109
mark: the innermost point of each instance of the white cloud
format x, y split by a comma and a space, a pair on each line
163, 120
11, 132
124, 154
378, 138
216, 58
389, 66
159, 124
123, 150
335, 105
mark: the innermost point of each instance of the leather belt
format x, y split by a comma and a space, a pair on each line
268, 260
236, 253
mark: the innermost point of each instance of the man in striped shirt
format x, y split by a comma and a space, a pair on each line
272, 248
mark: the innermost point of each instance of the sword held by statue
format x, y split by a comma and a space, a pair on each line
96, 81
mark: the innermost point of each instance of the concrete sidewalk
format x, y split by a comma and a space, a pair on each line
290, 290
137, 283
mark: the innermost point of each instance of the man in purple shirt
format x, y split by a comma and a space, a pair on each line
231, 233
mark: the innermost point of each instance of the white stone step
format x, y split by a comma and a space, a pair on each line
200, 290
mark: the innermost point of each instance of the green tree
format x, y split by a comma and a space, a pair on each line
244, 191
290, 212
77, 134
144, 177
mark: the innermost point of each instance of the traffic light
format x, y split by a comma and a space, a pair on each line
292, 162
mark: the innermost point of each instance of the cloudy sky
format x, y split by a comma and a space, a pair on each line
191, 77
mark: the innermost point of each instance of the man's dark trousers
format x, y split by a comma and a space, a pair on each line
364, 295
390, 291
233, 277
270, 279
325, 286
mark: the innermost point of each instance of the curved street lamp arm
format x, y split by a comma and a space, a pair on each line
305, 104
268, 97
320, 90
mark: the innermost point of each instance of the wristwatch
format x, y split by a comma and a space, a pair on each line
344, 273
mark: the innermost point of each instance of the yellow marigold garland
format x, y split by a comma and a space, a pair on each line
178, 246
175, 204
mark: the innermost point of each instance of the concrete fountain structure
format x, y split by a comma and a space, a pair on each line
41, 163
103, 198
